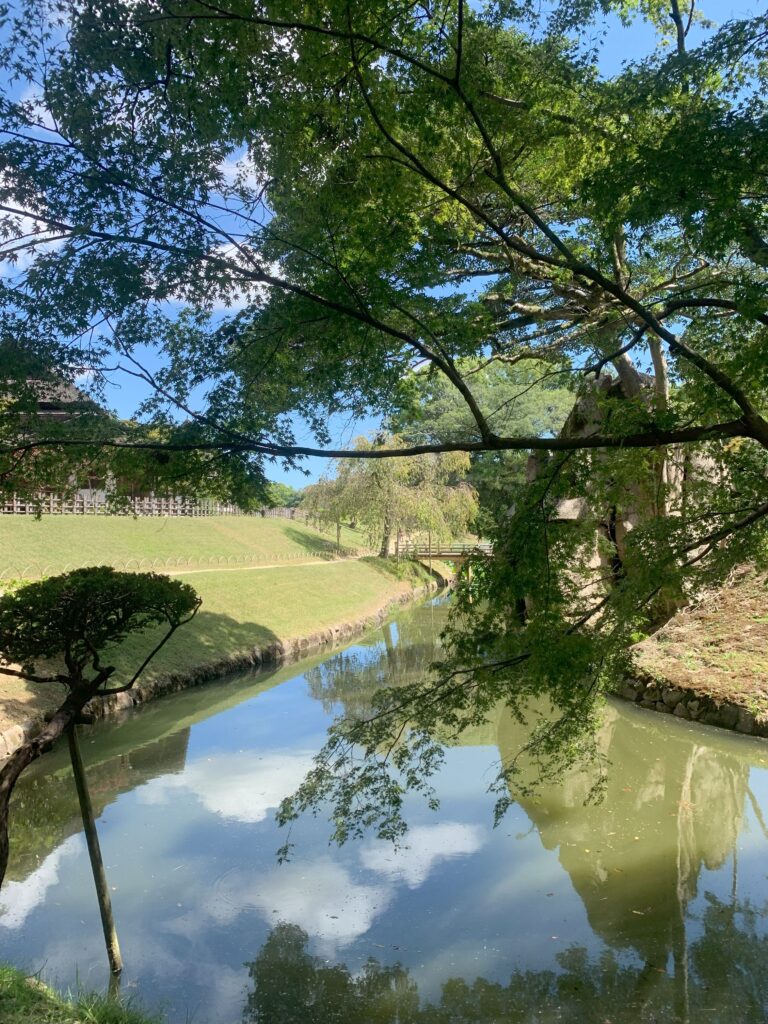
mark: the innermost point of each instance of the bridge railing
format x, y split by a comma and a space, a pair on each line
446, 550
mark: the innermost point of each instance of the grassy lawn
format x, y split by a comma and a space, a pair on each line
247, 608
24, 1001
33, 547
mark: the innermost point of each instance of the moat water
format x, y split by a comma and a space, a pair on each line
650, 906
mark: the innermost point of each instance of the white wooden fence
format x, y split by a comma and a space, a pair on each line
80, 505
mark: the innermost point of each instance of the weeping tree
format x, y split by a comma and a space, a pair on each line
68, 629
391, 496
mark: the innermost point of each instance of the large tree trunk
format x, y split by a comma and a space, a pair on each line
25, 755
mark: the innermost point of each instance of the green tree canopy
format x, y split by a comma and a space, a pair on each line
525, 398
386, 188
389, 497
280, 495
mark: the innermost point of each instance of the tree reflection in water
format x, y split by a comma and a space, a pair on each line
674, 809
345, 682
290, 986
673, 806
636, 857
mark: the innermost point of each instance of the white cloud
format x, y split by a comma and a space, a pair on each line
427, 844
238, 169
19, 899
322, 897
240, 787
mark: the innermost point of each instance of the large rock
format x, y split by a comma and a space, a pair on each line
745, 722
711, 717
631, 690
729, 715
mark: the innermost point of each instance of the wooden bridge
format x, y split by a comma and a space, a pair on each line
456, 553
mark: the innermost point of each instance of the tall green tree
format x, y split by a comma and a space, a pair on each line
386, 187
280, 495
526, 397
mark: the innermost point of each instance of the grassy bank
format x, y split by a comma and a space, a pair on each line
27, 1001
716, 651
247, 608
244, 607
52, 544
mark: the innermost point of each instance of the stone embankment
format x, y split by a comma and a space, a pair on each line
692, 706
709, 663
278, 653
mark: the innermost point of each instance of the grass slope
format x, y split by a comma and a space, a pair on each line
27, 1001
52, 544
247, 608
242, 609
718, 647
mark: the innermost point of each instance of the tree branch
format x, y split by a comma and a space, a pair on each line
651, 438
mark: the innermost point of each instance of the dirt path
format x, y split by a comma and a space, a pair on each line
254, 568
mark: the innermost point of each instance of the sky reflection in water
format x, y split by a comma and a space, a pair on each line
646, 907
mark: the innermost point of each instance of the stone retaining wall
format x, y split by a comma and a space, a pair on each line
692, 706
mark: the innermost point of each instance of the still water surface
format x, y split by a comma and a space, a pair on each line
648, 907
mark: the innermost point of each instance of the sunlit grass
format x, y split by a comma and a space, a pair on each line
30, 547
26, 1001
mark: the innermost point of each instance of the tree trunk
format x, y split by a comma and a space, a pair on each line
386, 538
661, 402
24, 756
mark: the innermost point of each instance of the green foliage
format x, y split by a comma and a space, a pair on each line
290, 984
26, 1000
526, 398
72, 618
421, 194
55, 437
281, 495
390, 496
401, 568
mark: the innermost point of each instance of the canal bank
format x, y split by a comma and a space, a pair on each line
708, 664
26, 1000
249, 618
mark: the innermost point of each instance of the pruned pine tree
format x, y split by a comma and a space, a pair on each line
67, 629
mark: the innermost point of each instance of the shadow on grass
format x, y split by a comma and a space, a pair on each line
313, 545
405, 569
210, 638
317, 545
